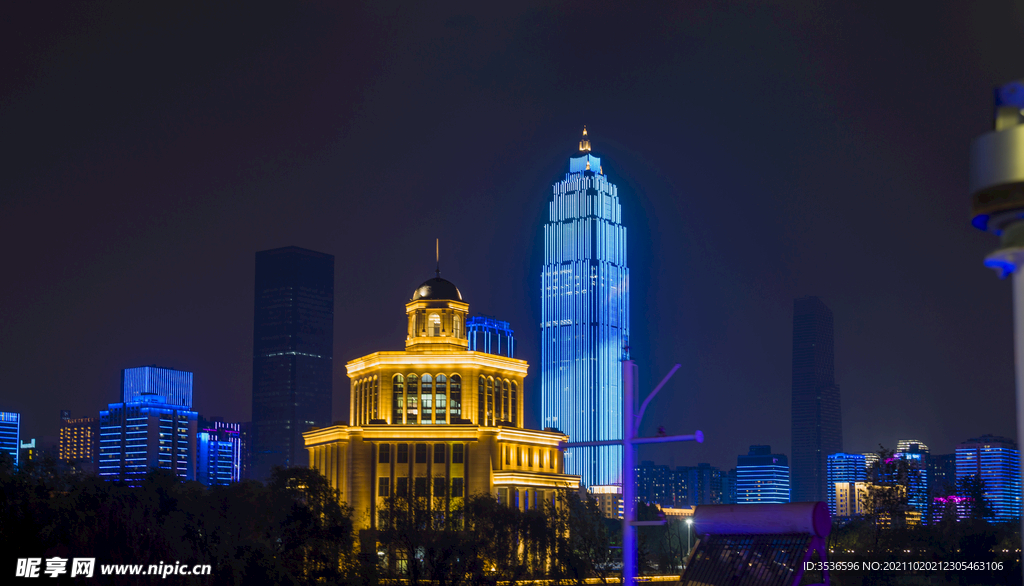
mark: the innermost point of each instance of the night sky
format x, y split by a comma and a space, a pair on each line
762, 151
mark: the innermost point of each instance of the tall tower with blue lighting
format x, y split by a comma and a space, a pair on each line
585, 316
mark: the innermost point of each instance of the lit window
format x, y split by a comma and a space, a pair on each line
435, 324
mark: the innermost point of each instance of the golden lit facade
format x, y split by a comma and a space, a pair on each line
79, 439
437, 420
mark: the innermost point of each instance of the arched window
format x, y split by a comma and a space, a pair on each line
441, 399
515, 410
361, 405
455, 400
426, 400
412, 399
481, 402
505, 415
490, 401
435, 325
376, 398
456, 326
398, 399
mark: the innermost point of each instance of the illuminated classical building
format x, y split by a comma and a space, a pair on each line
437, 420
585, 316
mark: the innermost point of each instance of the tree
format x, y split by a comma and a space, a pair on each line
972, 489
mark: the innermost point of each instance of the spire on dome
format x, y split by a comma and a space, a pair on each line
585, 143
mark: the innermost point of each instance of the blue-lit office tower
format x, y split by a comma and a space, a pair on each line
293, 346
493, 336
762, 477
915, 453
844, 468
585, 317
996, 461
817, 425
219, 453
10, 434
153, 426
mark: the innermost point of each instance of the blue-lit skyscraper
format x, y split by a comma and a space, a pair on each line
153, 426
915, 453
844, 468
762, 477
493, 336
10, 434
585, 317
996, 461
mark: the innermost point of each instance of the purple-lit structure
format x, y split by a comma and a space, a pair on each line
629, 442
758, 545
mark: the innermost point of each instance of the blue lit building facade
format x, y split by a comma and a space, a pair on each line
762, 477
493, 336
10, 435
218, 453
585, 317
915, 453
153, 427
844, 468
996, 461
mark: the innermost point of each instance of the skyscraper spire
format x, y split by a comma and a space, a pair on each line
585, 143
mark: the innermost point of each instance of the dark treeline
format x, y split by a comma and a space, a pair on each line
290, 530
293, 530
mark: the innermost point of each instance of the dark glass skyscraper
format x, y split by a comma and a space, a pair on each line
293, 345
817, 422
585, 317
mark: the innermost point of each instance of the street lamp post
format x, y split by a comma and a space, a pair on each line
629, 443
689, 525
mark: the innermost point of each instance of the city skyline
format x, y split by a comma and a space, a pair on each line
137, 206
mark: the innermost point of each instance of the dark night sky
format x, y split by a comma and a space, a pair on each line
763, 152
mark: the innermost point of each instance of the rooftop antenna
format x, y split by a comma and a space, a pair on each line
437, 256
585, 143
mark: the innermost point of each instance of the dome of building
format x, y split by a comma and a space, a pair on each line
437, 288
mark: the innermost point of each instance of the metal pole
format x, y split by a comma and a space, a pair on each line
629, 371
689, 525
1018, 360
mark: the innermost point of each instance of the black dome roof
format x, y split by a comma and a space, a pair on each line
437, 288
